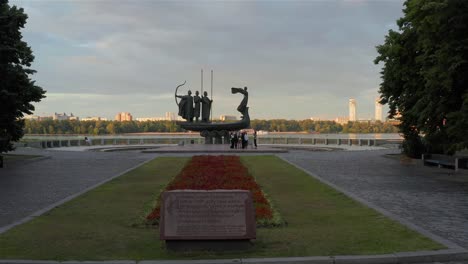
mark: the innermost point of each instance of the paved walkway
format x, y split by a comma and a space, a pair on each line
28, 187
434, 199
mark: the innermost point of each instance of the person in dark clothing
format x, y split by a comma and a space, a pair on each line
231, 139
246, 140
243, 140
255, 138
235, 139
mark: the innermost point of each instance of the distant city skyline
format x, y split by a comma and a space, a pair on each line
353, 115
378, 109
298, 58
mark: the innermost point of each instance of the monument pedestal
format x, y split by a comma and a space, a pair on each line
215, 136
217, 133
208, 245
207, 220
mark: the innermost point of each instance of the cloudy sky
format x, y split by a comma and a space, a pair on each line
299, 59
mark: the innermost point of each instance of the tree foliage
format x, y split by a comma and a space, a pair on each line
425, 74
68, 127
17, 90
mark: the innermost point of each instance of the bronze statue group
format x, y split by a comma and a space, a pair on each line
190, 106
240, 139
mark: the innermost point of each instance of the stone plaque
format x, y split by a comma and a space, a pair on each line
207, 215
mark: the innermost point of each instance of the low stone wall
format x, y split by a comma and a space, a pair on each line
103, 141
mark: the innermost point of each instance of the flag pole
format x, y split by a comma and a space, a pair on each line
201, 82
211, 95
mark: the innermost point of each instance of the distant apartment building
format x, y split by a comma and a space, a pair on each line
31, 117
55, 116
368, 121
378, 110
341, 120
170, 116
352, 110
316, 119
123, 116
64, 116
227, 117
94, 118
319, 119
38, 118
58, 116
146, 119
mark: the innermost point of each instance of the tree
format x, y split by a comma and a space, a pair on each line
424, 75
17, 90
110, 128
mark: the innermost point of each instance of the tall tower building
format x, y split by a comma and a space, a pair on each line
352, 110
126, 116
378, 110
123, 116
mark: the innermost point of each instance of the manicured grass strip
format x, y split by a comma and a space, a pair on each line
100, 225
14, 157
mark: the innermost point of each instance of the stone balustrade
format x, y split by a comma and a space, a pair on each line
121, 140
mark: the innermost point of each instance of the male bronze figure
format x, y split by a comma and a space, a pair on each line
196, 101
186, 106
206, 107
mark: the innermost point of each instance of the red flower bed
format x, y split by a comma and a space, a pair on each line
217, 172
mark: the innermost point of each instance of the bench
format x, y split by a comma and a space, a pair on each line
3, 140
445, 161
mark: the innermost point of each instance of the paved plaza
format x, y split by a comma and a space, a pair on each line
431, 198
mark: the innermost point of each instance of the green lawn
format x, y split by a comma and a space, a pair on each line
101, 224
14, 157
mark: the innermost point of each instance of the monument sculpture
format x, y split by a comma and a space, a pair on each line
196, 110
243, 105
185, 105
216, 133
206, 107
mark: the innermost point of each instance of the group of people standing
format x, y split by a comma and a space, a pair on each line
190, 106
240, 139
